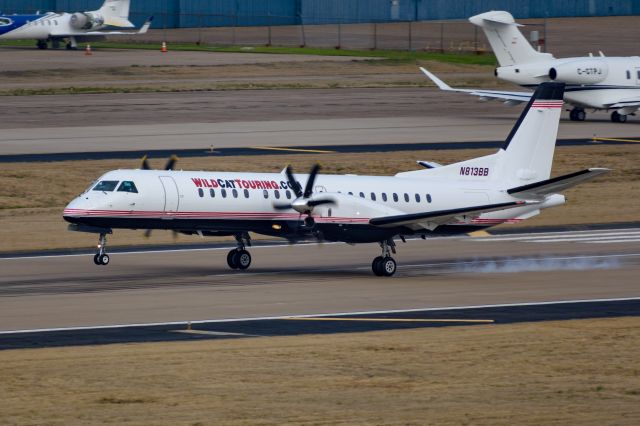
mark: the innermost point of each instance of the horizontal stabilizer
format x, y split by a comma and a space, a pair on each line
441, 217
512, 97
557, 184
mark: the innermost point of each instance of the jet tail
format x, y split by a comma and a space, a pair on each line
527, 153
116, 13
507, 42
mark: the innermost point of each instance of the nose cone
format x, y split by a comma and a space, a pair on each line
76, 208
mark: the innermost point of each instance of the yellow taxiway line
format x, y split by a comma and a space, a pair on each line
485, 321
616, 140
271, 148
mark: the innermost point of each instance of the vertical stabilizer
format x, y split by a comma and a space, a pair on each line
116, 13
507, 42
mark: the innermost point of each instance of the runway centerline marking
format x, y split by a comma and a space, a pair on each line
473, 321
315, 151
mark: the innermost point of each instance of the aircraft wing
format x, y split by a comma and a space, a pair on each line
433, 219
628, 102
556, 184
143, 29
511, 97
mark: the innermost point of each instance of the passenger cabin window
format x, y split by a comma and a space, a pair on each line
384, 196
212, 192
235, 193
277, 194
373, 196
638, 74
428, 198
265, 193
200, 192
224, 193
395, 197
288, 194
246, 193
417, 198
628, 75
362, 195
128, 186
106, 185
406, 197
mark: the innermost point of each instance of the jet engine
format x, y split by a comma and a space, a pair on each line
86, 21
580, 72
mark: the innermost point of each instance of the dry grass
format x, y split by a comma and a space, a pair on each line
33, 195
583, 372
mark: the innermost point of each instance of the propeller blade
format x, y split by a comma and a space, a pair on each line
308, 189
292, 182
171, 163
282, 206
145, 164
313, 203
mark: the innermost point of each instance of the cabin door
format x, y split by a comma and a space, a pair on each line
171, 196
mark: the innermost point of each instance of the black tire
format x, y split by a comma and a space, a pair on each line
581, 115
388, 265
96, 260
376, 266
103, 259
616, 117
231, 259
242, 258
572, 115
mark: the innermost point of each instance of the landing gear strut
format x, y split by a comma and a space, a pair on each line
385, 265
577, 114
101, 257
239, 258
616, 117
42, 44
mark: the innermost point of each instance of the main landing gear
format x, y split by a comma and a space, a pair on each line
239, 258
577, 114
616, 117
385, 265
101, 257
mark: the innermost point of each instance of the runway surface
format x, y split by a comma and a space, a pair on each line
287, 150
164, 286
264, 118
323, 324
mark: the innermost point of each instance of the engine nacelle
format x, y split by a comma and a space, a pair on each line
586, 71
86, 21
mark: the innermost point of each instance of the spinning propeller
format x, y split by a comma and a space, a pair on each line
305, 201
171, 162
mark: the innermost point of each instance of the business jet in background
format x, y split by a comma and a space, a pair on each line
73, 27
509, 186
593, 82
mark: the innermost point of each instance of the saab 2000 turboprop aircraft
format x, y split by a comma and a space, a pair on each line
508, 186
74, 27
598, 83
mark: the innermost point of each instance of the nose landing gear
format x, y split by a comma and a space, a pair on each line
239, 258
101, 257
385, 265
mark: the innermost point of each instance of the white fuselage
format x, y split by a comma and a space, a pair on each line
217, 202
592, 82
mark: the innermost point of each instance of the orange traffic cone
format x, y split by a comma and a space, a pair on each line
164, 47
87, 51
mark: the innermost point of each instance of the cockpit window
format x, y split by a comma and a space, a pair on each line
5, 21
128, 186
106, 185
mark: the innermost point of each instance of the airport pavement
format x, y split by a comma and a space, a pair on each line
322, 324
142, 287
264, 118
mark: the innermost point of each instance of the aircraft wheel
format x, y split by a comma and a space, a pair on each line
572, 115
232, 260
388, 266
242, 259
96, 259
42, 44
101, 259
581, 115
376, 266
616, 117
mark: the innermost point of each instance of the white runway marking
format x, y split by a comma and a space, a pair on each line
603, 236
319, 315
